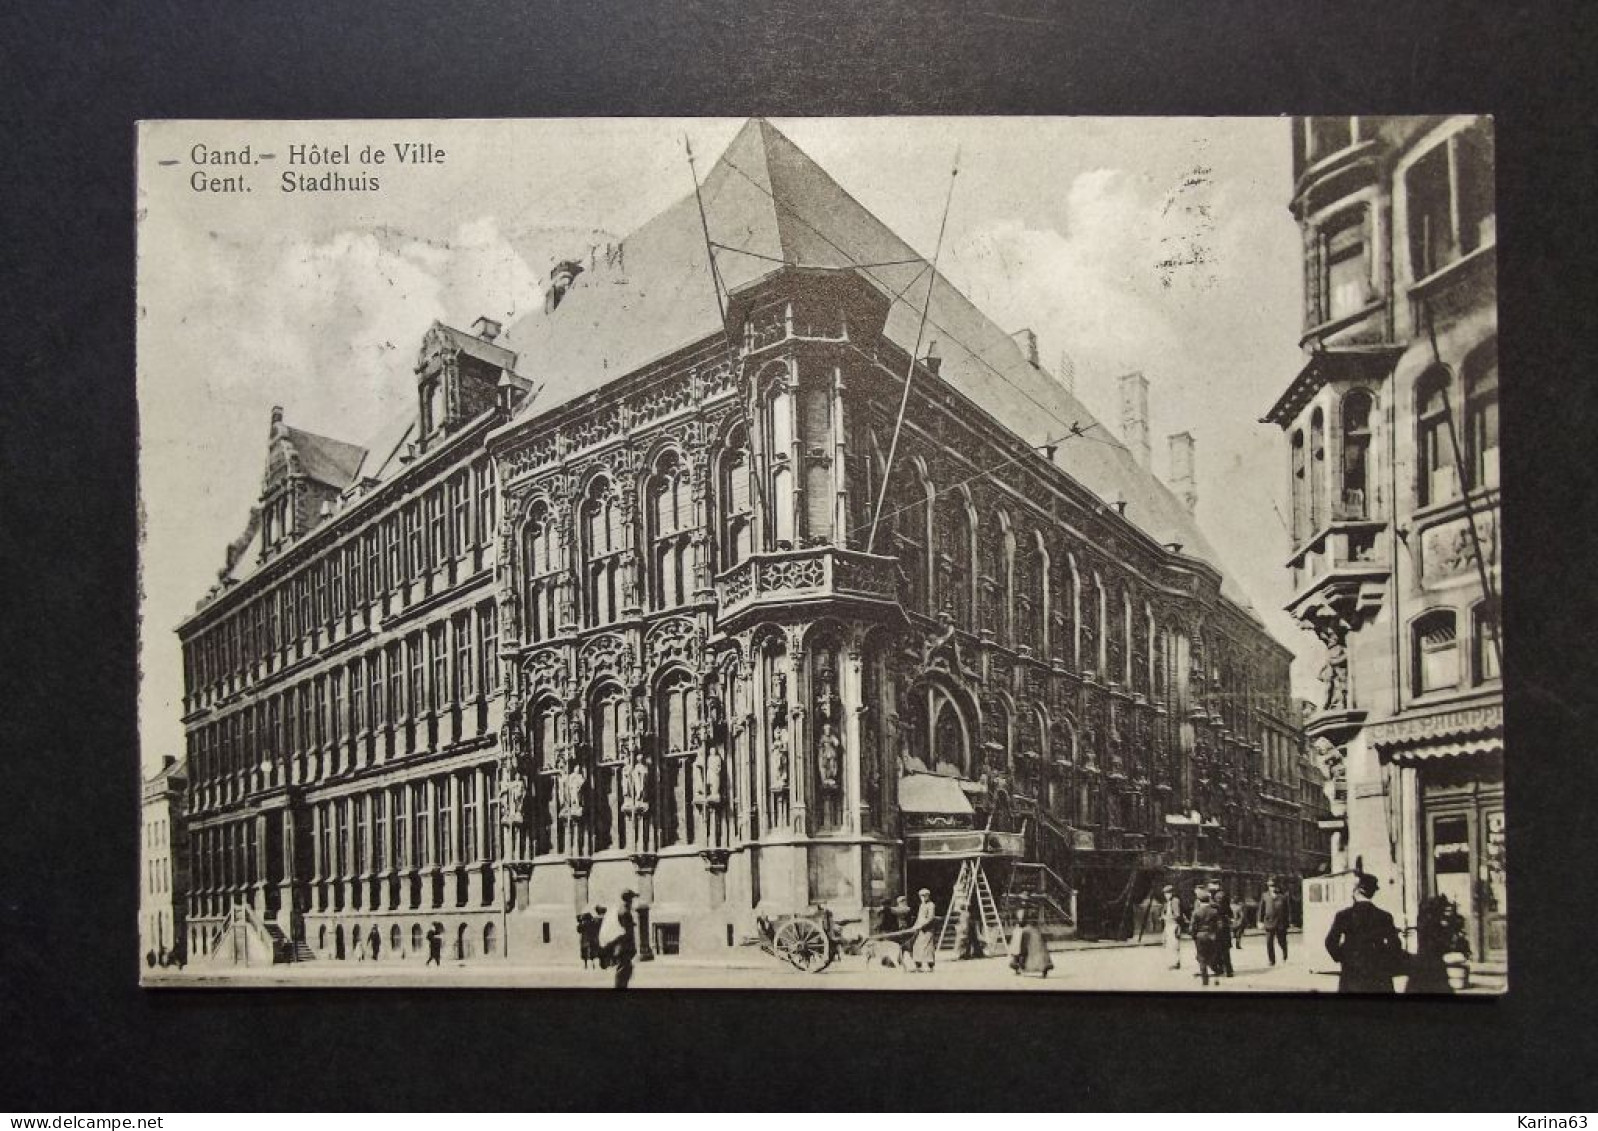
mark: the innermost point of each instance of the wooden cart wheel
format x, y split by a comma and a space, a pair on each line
803, 945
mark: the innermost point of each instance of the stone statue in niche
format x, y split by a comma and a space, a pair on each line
635, 798
711, 795
831, 758
573, 783
512, 799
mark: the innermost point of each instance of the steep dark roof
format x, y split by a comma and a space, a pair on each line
325, 459
765, 198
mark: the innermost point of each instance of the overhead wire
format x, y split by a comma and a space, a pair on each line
974, 354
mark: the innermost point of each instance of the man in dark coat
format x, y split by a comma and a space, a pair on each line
1273, 921
435, 945
1206, 927
1364, 941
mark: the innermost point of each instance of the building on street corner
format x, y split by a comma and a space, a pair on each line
1392, 441
675, 585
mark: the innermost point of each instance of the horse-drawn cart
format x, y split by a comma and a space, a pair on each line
808, 942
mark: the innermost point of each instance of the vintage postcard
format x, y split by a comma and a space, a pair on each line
1014, 554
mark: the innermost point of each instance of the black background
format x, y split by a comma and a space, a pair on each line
78, 1034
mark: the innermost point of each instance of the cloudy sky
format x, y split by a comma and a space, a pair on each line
1162, 245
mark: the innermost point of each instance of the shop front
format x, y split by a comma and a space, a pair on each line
1451, 766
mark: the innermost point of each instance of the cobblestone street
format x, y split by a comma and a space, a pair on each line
1079, 967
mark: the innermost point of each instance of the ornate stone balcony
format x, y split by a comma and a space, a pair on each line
821, 573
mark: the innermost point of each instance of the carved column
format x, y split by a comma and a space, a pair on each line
644, 864
799, 759
626, 488
856, 809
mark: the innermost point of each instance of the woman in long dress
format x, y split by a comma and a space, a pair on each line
925, 949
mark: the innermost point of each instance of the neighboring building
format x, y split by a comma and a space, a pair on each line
1392, 432
342, 681
163, 865
720, 685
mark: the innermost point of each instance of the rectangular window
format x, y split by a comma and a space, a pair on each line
437, 528
379, 831
396, 685
468, 837
413, 542
335, 585
488, 634
357, 700
374, 565
487, 518
418, 685
402, 844
443, 823
461, 506
438, 658
376, 712
391, 550
465, 686
421, 825
335, 732
1347, 271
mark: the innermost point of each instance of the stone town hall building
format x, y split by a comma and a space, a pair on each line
609, 611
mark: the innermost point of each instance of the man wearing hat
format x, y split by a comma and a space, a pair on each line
616, 938
1273, 920
1364, 942
1205, 925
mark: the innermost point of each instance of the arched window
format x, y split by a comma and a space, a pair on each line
951, 751
1317, 472
416, 937
737, 526
1436, 652
1031, 582
1438, 478
543, 728
670, 519
676, 717
539, 566
602, 549
1355, 498
1481, 419
490, 942
819, 493
1300, 486
606, 725
781, 449
955, 552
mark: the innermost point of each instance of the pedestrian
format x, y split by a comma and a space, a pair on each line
1224, 926
898, 919
1031, 948
616, 938
924, 950
435, 945
588, 921
1173, 927
374, 942
1364, 942
1439, 931
1205, 925
1273, 921
359, 940
1247, 912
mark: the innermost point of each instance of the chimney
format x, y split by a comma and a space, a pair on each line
1184, 481
1135, 415
486, 328
1067, 372
934, 359
561, 277
1028, 341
